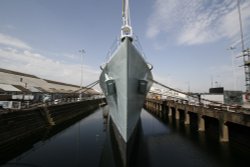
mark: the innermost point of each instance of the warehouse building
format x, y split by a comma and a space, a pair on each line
16, 86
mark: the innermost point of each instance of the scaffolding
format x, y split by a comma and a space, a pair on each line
246, 56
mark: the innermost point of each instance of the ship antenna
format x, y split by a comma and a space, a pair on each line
126, 29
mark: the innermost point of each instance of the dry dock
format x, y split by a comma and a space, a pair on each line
16, 126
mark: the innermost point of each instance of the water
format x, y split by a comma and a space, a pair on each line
162, 144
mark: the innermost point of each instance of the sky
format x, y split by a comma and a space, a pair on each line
187, 41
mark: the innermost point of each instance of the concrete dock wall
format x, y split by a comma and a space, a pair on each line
225, 124
17, 125
64, 112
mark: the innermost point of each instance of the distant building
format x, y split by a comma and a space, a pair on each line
217, 90
219, 95
21, 86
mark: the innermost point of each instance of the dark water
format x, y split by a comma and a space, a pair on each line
166, 143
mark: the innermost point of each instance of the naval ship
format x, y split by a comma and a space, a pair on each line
125, 80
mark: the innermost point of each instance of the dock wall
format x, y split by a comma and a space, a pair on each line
18, 125
225, 124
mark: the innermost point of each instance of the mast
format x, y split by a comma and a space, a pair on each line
246, 54
241, 29
126, 29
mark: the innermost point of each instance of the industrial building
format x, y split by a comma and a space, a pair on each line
16, 86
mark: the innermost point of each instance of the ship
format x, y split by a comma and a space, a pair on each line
125, 80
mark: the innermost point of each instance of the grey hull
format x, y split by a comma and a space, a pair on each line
125, 81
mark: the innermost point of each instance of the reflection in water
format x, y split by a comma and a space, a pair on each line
91, 141
118, 153
77, 143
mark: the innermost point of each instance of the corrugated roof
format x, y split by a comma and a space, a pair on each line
89, 91
9, 88
60, 83
23, 89
93, 92
53, 90
41, 89
35, 84
17, 73
34, 90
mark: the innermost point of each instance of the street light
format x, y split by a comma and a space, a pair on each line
231, 48
82, 52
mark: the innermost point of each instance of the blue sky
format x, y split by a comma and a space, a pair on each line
186, 41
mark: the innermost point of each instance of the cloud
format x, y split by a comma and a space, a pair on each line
19, 56
30, 62
12, 41
197, 22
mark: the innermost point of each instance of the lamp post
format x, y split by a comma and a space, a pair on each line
231, 48
82, 52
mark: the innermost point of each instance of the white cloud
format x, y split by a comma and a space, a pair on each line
33, 63
197, 22
19, 56
14, 42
